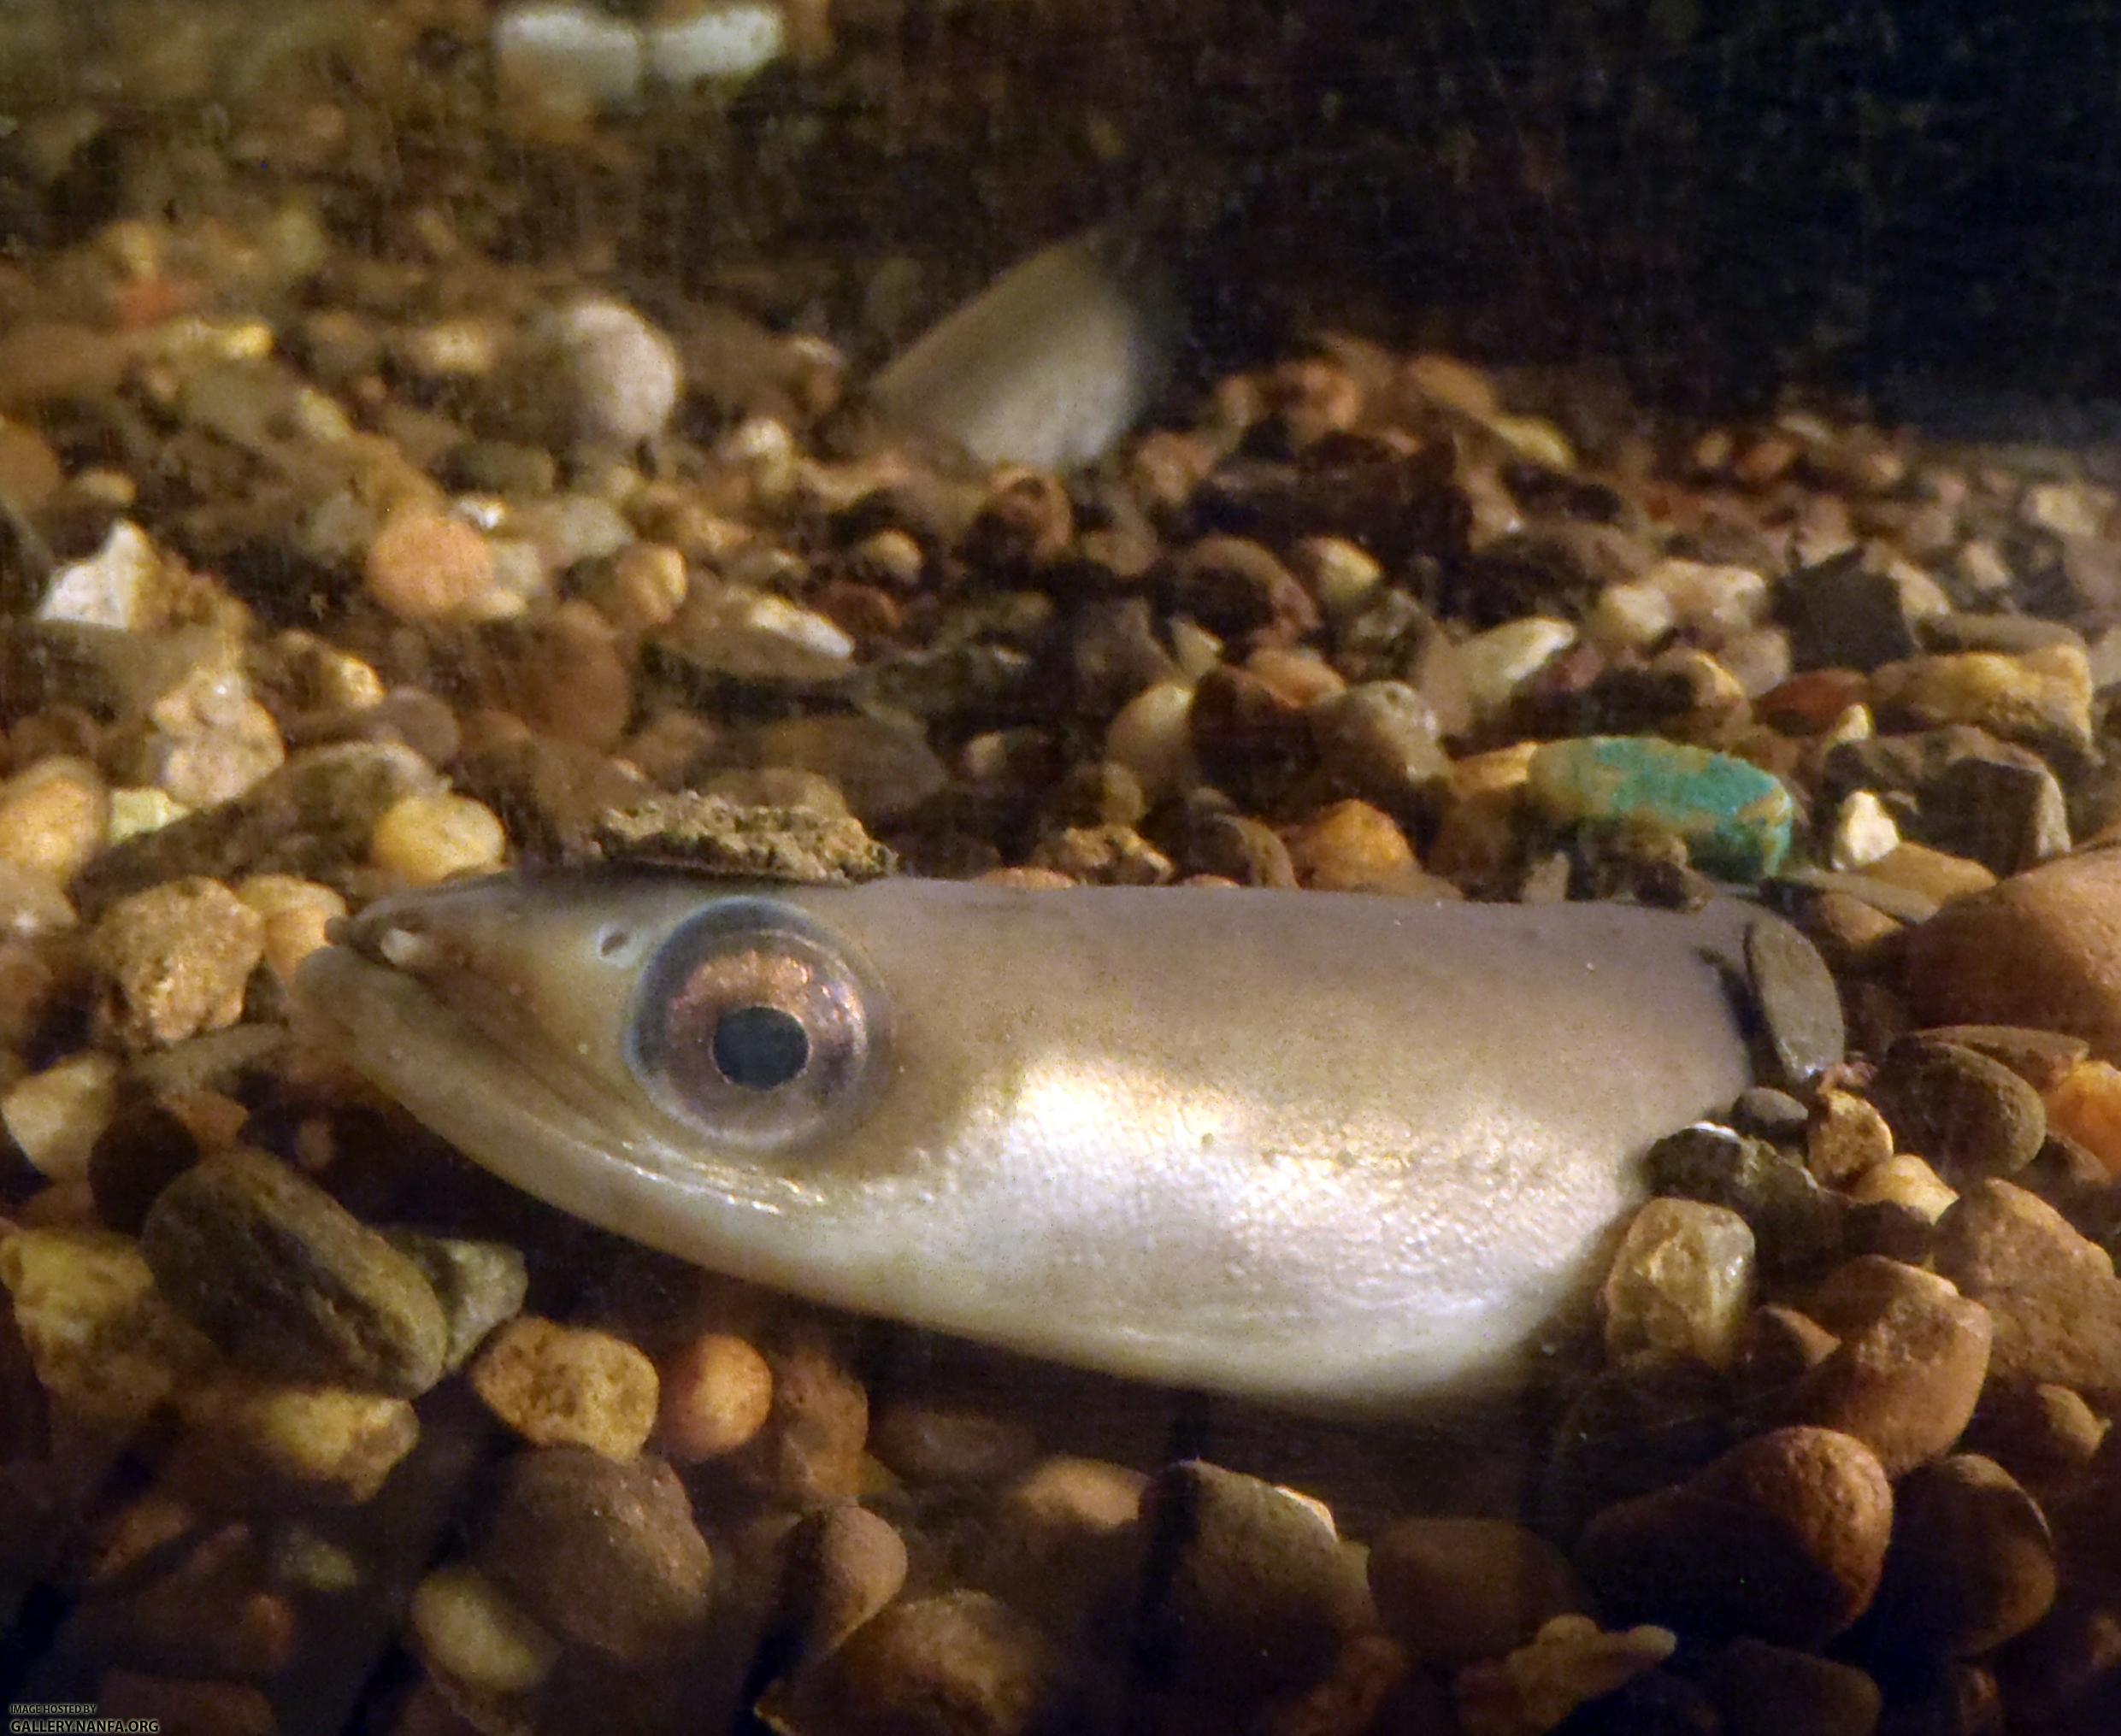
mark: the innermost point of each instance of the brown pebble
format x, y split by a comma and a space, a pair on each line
1249, 1591
1908, 1369
2043, 950
1353, 1698
598, 1551
842, 1564
1453, 1590
424, 567
1777, 1349
1065, 1541
960, 1665
717, 1392
1935, 873
563, 1385
1762, 1690
1969, 1115
1971, 1563
2042, 1434
1351, 846
2053, 1295
206, 1613
1783, 1538
932, 1442
2043, 1059
810, 1449
178, 958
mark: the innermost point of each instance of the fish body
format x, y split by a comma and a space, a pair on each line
1332, 1150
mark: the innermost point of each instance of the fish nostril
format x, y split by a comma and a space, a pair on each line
612, 942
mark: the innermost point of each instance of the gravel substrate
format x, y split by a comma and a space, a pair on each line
326, 573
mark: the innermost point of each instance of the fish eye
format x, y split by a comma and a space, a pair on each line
756, 1024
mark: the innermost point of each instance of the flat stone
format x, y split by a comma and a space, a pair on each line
1799, 1001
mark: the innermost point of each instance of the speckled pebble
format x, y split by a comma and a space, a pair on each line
178, 958
810, 1449
103, 1344
1783, 1538
2041, 697
54, 817
563, 1385
289, 1282
1734, 818
599, 1551
330, 1445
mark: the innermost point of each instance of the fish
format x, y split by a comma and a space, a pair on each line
1054, 362
1335, 1152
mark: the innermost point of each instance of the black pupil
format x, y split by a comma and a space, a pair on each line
760, 1048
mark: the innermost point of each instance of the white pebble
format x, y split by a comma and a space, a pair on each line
731, 41
623, 376
58, 1115
1499, 662
1631, 617
1865, 831
572, 59
112, 587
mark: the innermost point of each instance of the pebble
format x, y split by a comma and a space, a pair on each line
289, 1282
1239, 590
1783, 1538
310, 1444
54, 817
1682, 1280
883, 770
1842, 614
1496, 664
1570, 1663
422, 566
428, 838
1936, 875
2052, 1295
1350, 846
1799, 1001
56, 1117
1905, 1180
1650, 1421
296, 913
105, 1346
1796, 1222
1844, 1138
2085, 1105
563, 1385
2043, 949
2044, 1435
1103, 856
1455, 1590
809, 1450
1968, 1115
1251, 1593
1369, 1688
1971, 1564
174, 1706
599, 1551
467, 1630
1908, 1368
1734, 818
2041, 697
1863, 830
1064, 1540
927, 1442
117, 586
962, 1663
564, 58
479, 1285
144, 1147
1379, 740
2043, 1059
743, 635
1763, 1690
842, 1564
615, 377
178, 958
717, 1391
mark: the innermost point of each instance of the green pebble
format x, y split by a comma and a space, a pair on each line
1734, 818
